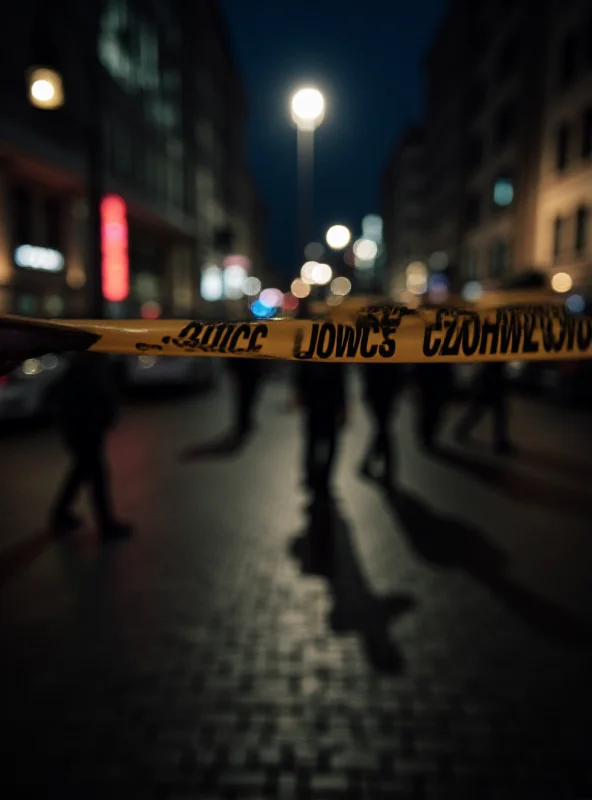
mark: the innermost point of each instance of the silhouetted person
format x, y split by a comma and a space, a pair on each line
321, 394
434, 384
247, 374
489, 392
85, 404
382, 385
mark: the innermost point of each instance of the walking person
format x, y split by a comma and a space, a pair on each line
322, 396
434, 384
84, 400
489, 393
247, 374
382, 385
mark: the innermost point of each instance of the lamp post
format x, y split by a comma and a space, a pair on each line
308, 111
46, 92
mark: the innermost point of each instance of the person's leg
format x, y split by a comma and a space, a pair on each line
329, 442
310, 449
246, 395
373, 443
98, 471
62, 515
471, 417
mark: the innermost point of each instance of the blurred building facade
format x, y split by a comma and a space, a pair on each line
170, 101
563, 238
507, 139
403, 209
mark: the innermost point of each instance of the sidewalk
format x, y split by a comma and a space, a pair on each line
447, 656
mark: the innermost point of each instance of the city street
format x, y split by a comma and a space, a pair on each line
446, 653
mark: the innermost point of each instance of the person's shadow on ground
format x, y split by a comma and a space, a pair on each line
518, 486
451, 542
327, 549
224, 446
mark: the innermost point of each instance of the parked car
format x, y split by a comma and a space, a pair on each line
24, 391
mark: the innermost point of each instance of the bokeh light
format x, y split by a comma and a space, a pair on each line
365, 249
299, 288
290, 302
438, 260
341, 286
234, 281
322, 274
314, 251
307, 270
575, 303
561, 282
261, 310
212, 284
472, 291
338, 237
150, 310
252, 286
271, 298
334, 300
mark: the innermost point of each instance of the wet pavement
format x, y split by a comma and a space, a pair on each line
442, 651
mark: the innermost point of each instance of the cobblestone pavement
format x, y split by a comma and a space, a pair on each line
445, 654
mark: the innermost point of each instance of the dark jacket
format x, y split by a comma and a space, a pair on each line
382, 383
321, 388
84, 399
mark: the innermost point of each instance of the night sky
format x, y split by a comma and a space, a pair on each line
366, 59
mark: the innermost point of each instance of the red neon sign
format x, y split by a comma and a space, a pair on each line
114, 249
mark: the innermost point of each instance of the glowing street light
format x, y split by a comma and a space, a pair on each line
306, 272
45, 88
338, 237
322, 274
308, 108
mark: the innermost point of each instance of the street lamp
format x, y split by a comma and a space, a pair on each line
308, 111
338, 237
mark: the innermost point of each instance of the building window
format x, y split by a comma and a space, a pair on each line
587, 134
567, 63
503, 192
473, 209
499, 258
504, 125
53, 223
582, 229
562, 147
22, 216
557, 237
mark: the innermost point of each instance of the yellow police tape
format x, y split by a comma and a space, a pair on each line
374, 334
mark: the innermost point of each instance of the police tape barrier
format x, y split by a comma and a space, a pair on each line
378, 334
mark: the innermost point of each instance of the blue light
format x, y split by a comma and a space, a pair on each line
575, 303
260, 310
438, 283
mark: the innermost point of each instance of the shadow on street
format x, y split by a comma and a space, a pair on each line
452, 543
327, 549
225, 446
518, 486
